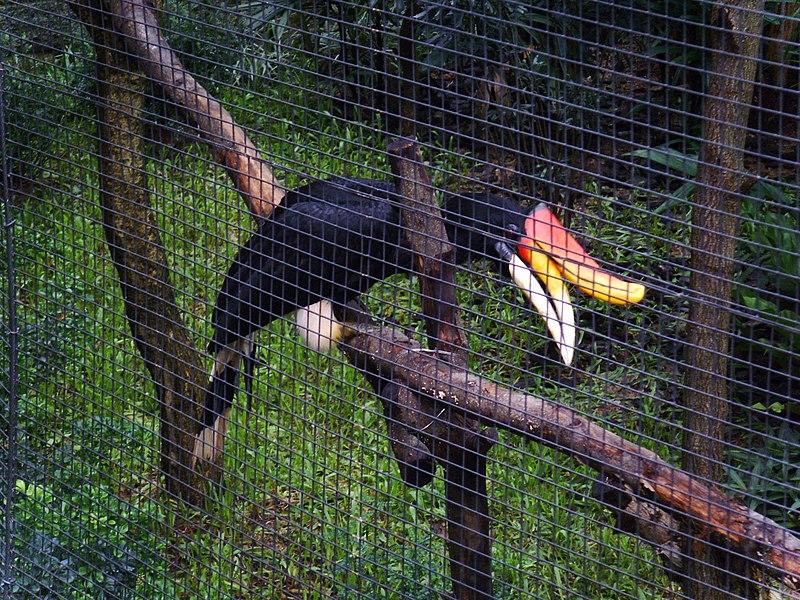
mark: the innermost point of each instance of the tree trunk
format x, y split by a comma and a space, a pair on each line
734, 31
458, 442
135, 245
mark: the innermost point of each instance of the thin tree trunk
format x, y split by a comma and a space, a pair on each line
735, 28
458, 442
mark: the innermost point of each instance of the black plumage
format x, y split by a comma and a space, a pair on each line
324, 242
329, 240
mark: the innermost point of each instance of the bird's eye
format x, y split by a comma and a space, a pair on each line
512, 231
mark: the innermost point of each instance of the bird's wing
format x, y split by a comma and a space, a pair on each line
312, 251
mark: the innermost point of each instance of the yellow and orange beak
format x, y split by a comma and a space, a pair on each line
555, 256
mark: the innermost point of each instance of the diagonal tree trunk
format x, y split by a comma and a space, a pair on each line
128, 42
735, 29
134, 241
251, 175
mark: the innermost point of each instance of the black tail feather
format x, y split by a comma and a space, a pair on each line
220, 393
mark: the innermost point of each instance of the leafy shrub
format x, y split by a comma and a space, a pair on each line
768, 471
768, 290
71, 530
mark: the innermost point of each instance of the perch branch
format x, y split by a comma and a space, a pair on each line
251, 175
388, 354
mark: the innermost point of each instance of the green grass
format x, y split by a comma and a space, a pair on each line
311, 505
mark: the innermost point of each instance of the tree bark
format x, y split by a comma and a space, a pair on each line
251, 175
133, 239
434, 255
128, 40
735, 29
385, 354
458, 442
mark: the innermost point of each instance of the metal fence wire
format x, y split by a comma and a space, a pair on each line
270, 304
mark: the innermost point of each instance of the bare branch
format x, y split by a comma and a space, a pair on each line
252, 176
389, 354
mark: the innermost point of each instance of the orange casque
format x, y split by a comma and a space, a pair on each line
543, 230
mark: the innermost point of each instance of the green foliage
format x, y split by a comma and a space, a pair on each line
768, 282
97, 550
675, 160
767, 468
73, 534
768, 290
770, 221
41, 92
208, 38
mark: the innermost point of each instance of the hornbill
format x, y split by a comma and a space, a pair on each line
330, 241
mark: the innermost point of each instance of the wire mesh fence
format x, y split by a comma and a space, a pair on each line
341, 211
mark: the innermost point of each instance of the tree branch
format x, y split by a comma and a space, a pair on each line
387, 354
251, 175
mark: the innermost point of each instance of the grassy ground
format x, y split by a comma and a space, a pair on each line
311, 506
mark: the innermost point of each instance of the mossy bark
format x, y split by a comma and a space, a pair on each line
134, 241
721, 179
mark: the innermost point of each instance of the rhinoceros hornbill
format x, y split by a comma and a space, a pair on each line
330, 241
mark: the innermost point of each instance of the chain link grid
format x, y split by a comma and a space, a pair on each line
599, 109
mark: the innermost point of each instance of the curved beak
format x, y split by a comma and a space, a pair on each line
545, 232
554, 304
550, 252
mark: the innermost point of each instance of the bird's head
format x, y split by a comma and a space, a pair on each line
539, 254
476, 222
